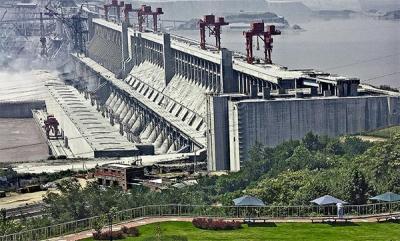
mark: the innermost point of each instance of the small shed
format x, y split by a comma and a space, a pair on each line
327, 200
248, 201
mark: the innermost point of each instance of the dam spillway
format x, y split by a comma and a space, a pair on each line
89, 135
165, 91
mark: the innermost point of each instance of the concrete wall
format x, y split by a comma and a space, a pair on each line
234, 140
20, 109
273, 122
106, 49
217, 133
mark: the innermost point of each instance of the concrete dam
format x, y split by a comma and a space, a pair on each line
165, 94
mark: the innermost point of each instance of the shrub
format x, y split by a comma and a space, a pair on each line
106, 235
124, 229
215, 224
131, 231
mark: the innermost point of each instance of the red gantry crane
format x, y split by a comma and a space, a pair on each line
258, 30
145, 11
127, 9
214, 29
142, 13
114, 5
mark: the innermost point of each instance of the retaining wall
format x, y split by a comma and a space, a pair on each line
273, 122
20, 109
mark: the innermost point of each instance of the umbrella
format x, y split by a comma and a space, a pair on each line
387, 197
248, 201
326, 200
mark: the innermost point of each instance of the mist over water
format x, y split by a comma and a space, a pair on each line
25, 85
23, 74
23, 78
359, 47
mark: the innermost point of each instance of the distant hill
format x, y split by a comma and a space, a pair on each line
380, 5
185, 10
289, 9
392, 15
242, 20
334, 13
316, 5
333, 4
250, 17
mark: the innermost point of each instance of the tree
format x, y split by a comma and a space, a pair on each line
99, 223
354, 146
381, 165
10, 226
301, 159
101, 199
284, 189
358, 187
335, 147
312, 142
70, 203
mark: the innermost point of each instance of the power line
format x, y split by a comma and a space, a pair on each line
19, 146
381, 76
363, 61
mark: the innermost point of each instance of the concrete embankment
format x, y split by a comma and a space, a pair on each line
20, 109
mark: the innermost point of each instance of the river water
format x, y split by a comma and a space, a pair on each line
360, 47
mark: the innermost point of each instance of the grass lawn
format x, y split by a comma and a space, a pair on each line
384, 133
279, 231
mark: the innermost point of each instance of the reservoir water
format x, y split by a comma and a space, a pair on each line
360, 47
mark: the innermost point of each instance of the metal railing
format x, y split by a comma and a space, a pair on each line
226, 212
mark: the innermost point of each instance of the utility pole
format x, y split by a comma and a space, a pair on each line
42, 37
110, 216
195, 162
110, 221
